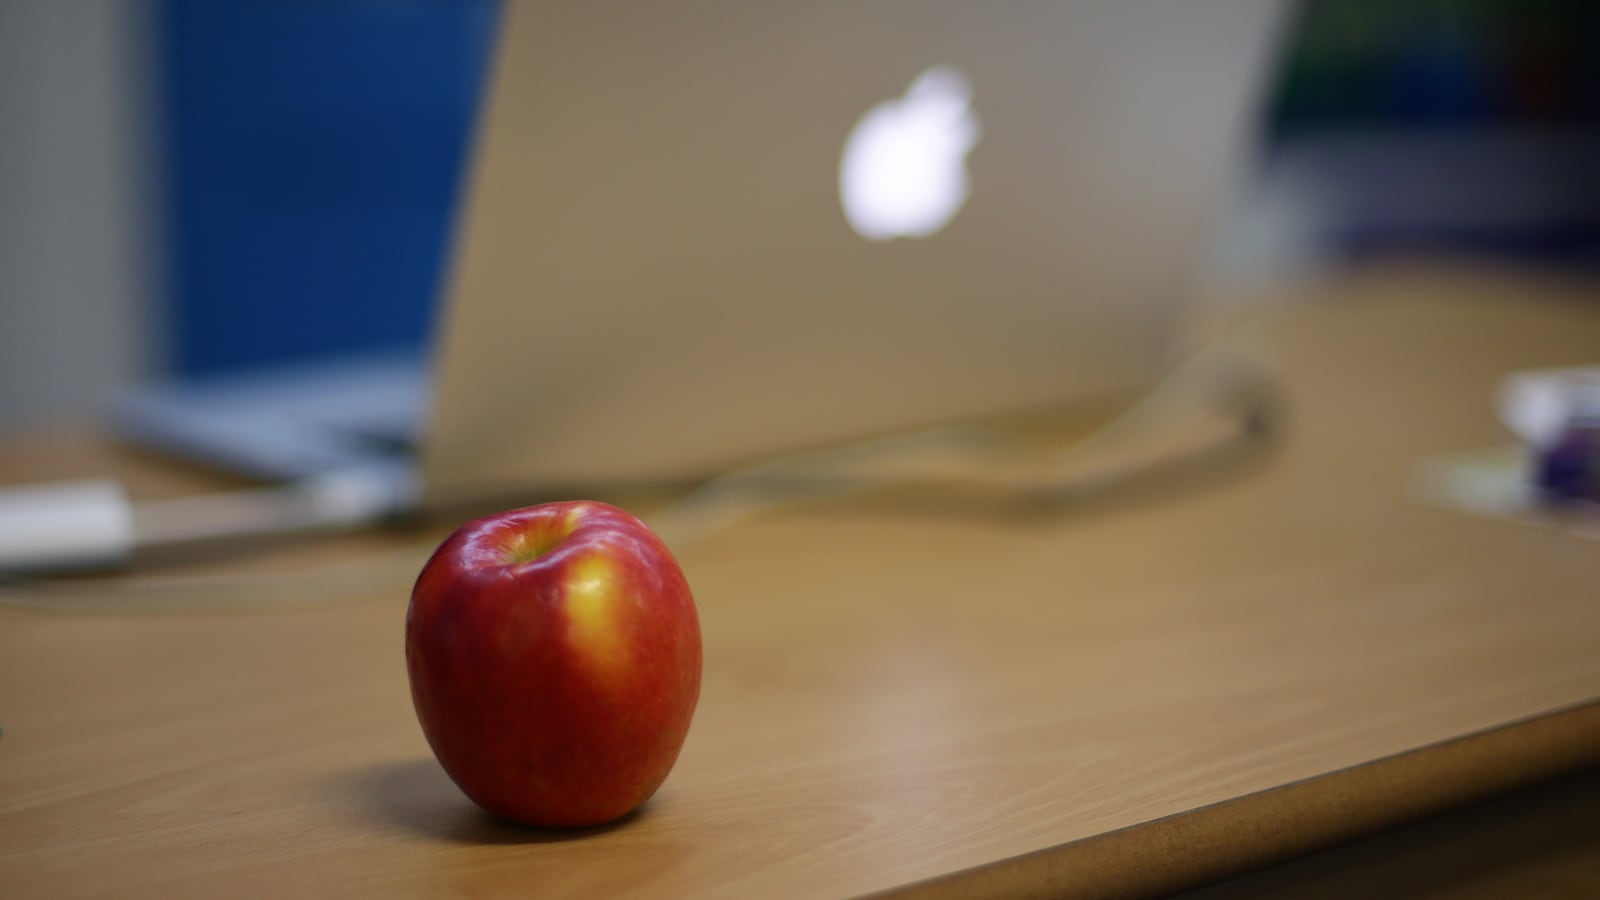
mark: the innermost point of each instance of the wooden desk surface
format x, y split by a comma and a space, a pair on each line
1125, 698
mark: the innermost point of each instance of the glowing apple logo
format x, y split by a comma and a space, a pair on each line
904, 171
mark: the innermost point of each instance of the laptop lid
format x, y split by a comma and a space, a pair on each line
699, 235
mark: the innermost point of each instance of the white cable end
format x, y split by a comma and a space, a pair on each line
64, 525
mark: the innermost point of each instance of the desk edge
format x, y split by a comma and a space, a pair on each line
1222, 839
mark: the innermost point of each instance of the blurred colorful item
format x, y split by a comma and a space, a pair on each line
1459, 63
1444, 128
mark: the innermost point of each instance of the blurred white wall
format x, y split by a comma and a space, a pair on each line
78, 243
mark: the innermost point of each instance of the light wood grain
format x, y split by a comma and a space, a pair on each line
896, 693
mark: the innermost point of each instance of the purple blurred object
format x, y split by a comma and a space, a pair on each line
1568, 471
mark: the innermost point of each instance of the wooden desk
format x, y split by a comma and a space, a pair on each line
1126, 698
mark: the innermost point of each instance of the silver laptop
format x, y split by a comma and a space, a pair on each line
698, 236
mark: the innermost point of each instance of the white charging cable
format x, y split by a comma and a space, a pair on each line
87, 525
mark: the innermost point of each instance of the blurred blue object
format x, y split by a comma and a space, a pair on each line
313, 153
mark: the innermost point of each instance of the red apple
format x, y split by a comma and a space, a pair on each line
554, 656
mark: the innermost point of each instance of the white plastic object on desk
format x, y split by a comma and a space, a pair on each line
64, 525
1538, 405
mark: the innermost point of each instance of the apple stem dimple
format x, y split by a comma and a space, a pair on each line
524, 547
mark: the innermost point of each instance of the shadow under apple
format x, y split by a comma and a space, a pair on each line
417, 796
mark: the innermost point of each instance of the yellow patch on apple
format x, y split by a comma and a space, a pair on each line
573, 517
591, 606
